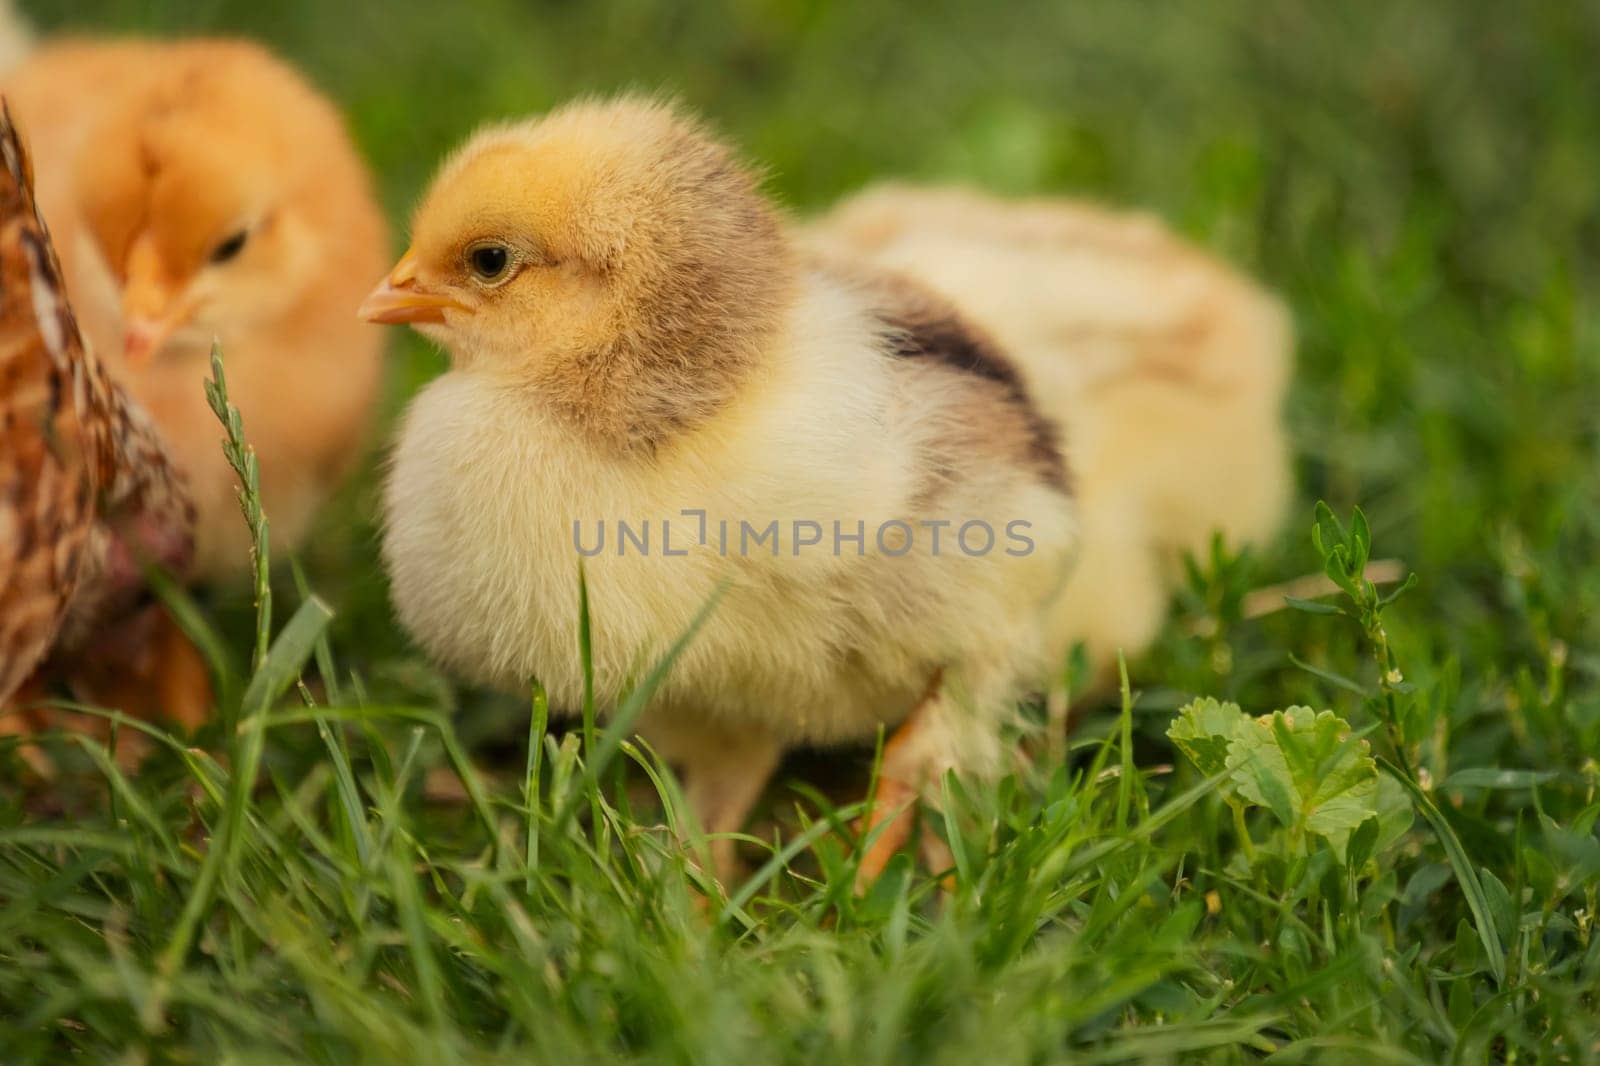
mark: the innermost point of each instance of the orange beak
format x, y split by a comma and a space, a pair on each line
151, 311
398, 299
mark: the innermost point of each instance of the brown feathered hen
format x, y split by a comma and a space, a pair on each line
87, 493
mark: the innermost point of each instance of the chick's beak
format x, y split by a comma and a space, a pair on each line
151, 311
398, 298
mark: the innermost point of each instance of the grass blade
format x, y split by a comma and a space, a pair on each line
621, 724
1466, 873
278, 671
538, 725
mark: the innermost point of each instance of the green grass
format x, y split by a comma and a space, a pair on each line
380, 866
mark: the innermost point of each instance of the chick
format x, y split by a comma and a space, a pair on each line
16, 36
636, 337
87, 492
201, 189
1168, 367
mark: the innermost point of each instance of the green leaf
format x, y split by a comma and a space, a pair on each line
1360, 542
1363, 844
1308, 770
1327, 530
1202, 731
1400, 590
1500, 906
1331, 678
1311, 606
1493, 777
1395, 813
1540, 873
282, 665
1576, 855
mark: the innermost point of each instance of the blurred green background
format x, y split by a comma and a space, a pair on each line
1419, 178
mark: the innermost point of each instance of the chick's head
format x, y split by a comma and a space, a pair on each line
613, 254
210, 196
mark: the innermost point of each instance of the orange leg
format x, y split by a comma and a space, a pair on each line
724, 771
721, 788
892, 809
182, 679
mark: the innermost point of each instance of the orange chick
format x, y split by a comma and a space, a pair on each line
202, 189
16, 36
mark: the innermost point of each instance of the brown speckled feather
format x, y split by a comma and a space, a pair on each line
80, 464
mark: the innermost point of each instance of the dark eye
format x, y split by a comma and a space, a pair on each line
230, 247
489, 261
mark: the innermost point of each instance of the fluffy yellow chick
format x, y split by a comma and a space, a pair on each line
202, 189
636, 338
1167, 368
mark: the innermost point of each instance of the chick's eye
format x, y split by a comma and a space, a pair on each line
489, 261
230, 247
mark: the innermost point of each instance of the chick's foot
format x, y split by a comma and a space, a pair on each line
908, 762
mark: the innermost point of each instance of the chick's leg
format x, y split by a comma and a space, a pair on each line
721, 794
912, 756
724, 771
